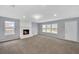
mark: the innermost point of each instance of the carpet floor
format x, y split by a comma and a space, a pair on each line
39, 45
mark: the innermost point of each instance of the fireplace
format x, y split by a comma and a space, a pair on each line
25, 31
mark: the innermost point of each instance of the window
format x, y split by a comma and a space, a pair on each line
49, 28
9, 27
43, 28
54, 28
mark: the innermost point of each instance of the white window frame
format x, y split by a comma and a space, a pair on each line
53, 27
50, 27
9, 27
44, 28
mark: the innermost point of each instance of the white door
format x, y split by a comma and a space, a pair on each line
71, 30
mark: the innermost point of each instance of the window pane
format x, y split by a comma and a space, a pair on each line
49, 26
54, 28
9, 27
54, 25
48, 29
43, 30
9, 24
43, 26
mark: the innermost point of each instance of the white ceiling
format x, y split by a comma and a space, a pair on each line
47, 12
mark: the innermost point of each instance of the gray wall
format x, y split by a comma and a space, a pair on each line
34, 28
61, 28
4, 37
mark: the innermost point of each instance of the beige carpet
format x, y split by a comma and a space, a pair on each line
39, 45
